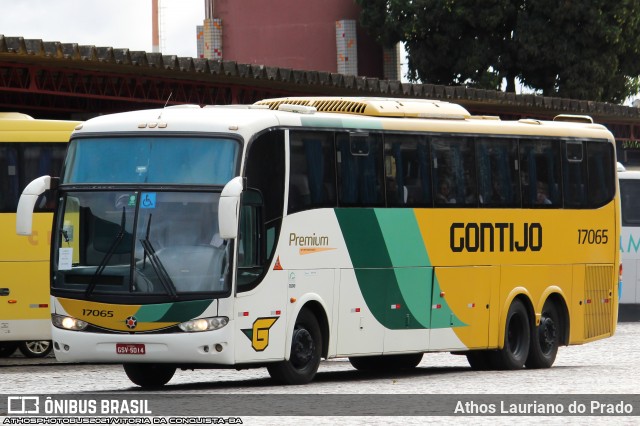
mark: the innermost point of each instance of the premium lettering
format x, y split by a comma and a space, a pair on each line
491, 237
308, 240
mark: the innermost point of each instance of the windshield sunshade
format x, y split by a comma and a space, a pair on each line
210, 161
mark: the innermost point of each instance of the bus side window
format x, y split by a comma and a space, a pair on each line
360, 172
40, 160
9, 185
601, 182
407, 171
498, 173
574, 175
454, 172
312, 165
540, 173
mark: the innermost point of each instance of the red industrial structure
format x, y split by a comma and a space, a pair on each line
294, 34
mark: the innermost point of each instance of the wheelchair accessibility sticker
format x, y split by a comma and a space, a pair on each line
148, 200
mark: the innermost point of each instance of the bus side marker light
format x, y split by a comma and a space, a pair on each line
396, 306
438, 306
39, 305
12, 301
355, 310
471, 305
243, 314
293, 300
442, 294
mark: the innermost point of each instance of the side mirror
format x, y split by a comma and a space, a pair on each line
24, 216
229, 208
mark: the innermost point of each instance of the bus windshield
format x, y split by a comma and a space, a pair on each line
122, 242
153, 159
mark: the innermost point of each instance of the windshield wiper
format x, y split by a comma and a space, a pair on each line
103, 263
156, 264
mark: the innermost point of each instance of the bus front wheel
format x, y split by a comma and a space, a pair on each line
545, 338
35, 348
149, 375
517, 339
306, 350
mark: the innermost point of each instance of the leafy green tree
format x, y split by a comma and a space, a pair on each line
557, 47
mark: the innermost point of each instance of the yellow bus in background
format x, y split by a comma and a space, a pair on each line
28, 148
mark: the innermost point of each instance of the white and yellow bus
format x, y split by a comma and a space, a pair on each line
297, 229
630, 243
28, 148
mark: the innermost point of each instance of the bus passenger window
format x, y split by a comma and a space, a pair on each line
497, 162
312, 171
574, 175
359, 170
601, 163
540, 171
454, 172
407, 171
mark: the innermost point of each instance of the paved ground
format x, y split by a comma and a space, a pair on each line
607, 367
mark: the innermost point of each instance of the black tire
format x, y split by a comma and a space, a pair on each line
386, 363
7, 349
149, 375
36, 348
479, 360
306, 350
545, 338
517, 339
368, 363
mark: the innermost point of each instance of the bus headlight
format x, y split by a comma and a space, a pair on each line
68, 323
203, 324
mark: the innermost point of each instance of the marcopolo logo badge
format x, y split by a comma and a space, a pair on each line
23, 405
131, 322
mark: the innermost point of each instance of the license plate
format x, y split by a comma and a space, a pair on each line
130, 348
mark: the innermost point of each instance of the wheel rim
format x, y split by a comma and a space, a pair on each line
38, 346
302, 349
547, 335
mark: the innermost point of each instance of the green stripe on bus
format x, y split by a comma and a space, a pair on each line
364, 238
415, 287
152, 313
402, 237
172, 312
391, 265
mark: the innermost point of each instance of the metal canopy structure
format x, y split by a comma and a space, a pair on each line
65, 80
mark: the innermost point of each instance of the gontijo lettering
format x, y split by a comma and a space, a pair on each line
500, 236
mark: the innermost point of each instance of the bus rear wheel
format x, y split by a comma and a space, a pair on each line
479, 359
149, 375
35, 348
306, 350
385, 363
517, 338
545, 338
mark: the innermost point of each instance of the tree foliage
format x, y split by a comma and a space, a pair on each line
581, 50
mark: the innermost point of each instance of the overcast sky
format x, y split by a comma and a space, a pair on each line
112, 23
